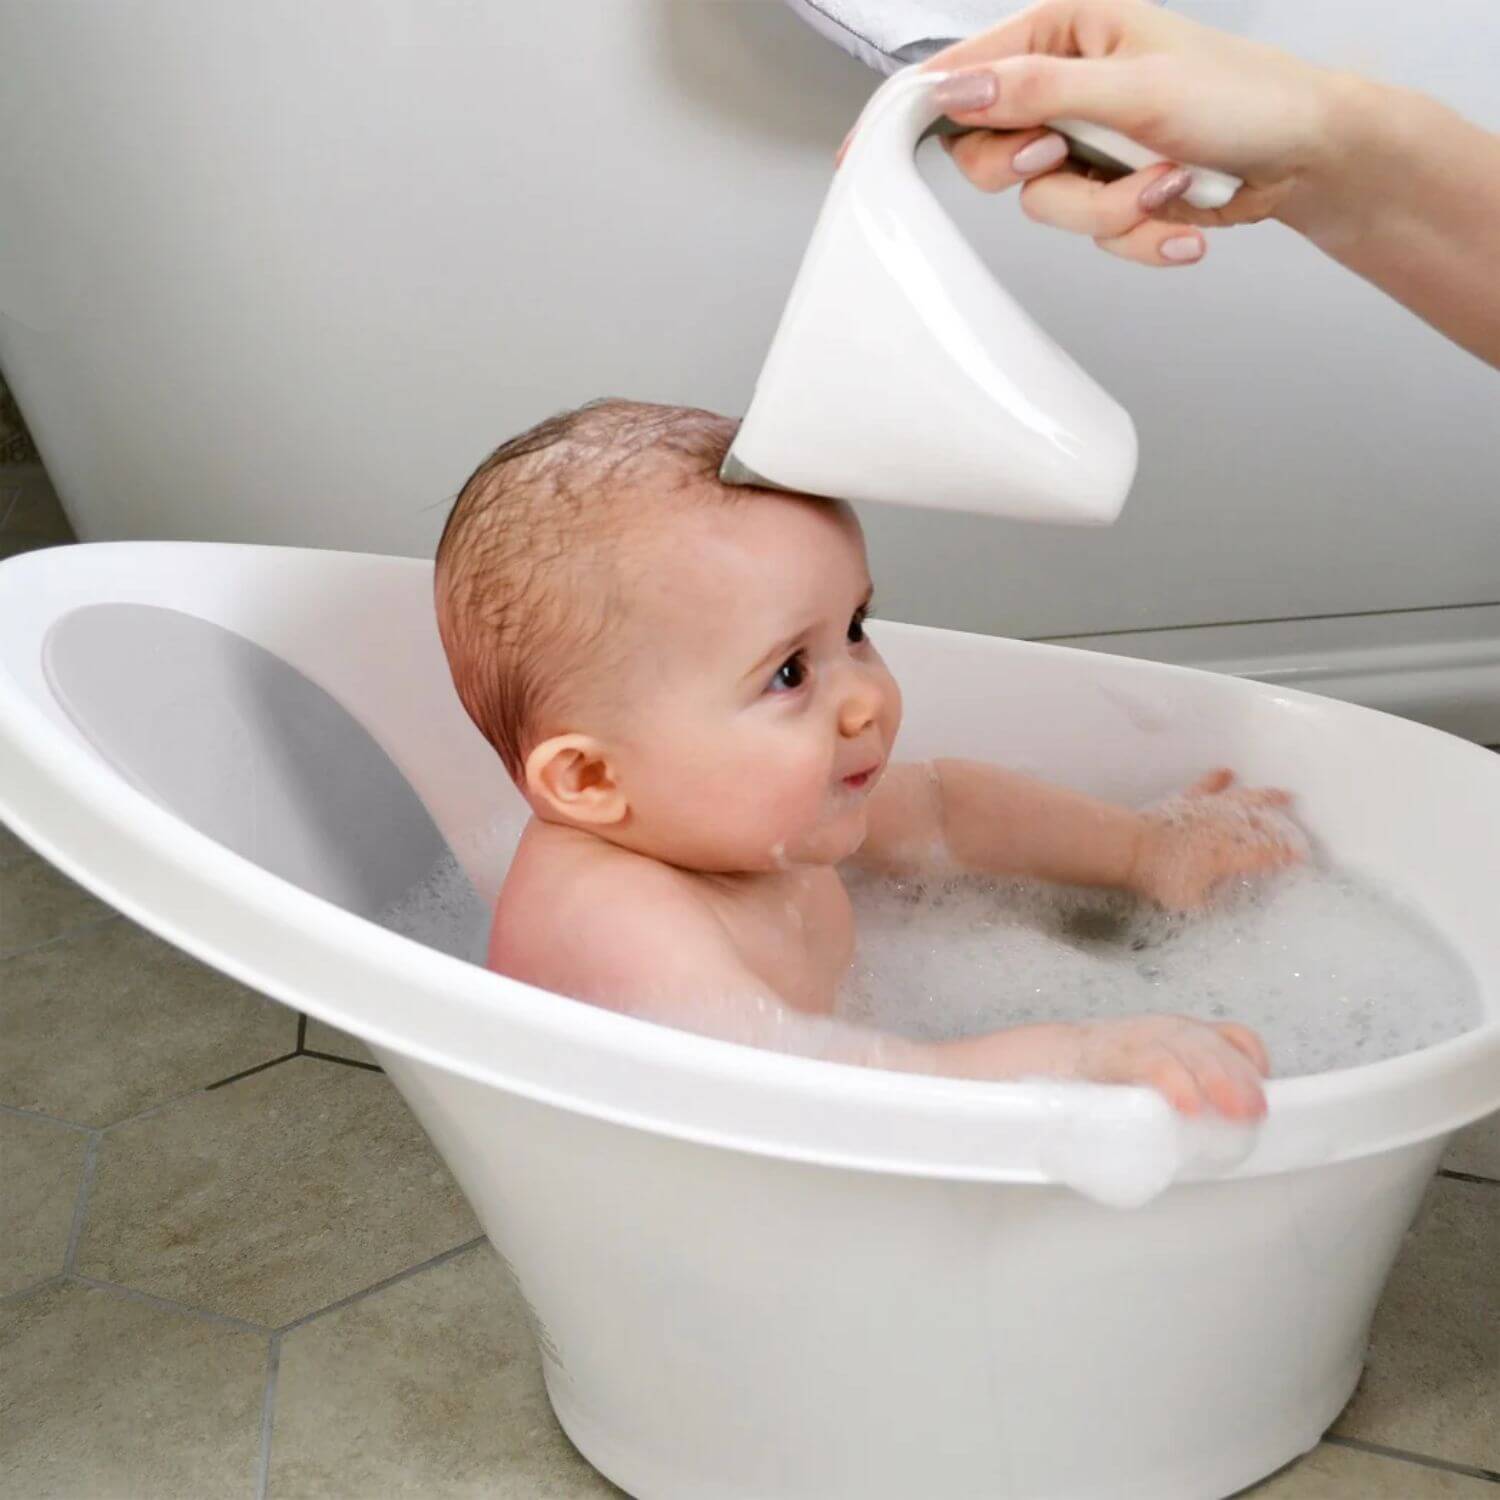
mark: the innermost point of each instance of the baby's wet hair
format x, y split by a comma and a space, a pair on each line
529, 564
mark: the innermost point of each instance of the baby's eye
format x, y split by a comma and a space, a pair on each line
857, 627
791, 674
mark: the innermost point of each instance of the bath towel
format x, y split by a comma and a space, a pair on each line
889, 34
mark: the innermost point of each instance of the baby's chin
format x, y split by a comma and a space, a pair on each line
830, 843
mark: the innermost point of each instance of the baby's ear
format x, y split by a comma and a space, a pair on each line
572, 778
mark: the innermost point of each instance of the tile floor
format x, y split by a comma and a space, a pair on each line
231, 1266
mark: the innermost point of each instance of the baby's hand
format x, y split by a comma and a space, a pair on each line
1215, 830
1194, 1064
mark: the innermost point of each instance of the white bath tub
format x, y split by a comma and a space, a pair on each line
757, 1277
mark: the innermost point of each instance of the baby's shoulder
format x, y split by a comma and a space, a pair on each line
558, 876
582, 921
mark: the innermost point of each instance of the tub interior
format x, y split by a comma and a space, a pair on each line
242, 746
251, 751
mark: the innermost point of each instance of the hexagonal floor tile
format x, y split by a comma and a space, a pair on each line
39, 903
1333, 1473
271, 1197
103, 1395
1476, 1149
112, 1021
38, 1193
429, 1387
1432, 1382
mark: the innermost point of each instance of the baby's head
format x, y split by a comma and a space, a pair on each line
664, 661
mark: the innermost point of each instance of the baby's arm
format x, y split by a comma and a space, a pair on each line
998, 822
1196, 1067
656, 952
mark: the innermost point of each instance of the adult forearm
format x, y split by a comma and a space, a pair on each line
1408, 197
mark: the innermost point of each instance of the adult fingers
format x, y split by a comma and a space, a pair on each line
1153, 243
994, 161
1102, 210
1129, 94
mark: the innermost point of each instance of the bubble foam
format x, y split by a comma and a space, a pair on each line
1331, 971
444, 911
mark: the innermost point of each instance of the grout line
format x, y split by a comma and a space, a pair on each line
80, 1207
1353, 614
11, 1298
36, 1114
133, 1294
380, 1286
1468, 1177
160, 1105
15, 500
267, 1410
301, 1032
246, 1073
59, 937
1425, 1460
348, 1062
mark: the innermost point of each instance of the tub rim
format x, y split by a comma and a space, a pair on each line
297, 947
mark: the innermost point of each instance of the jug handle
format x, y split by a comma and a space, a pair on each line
1100, 146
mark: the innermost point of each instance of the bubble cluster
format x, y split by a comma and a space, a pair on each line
444, 911
1331, 971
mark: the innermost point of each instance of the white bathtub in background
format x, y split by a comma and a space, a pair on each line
758, 1277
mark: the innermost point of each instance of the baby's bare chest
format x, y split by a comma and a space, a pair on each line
798, 935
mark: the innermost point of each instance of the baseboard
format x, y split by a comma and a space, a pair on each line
1439, 666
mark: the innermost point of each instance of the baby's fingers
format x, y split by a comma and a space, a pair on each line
1226, 1079
1242, 1039
1268, 796
1171, 1076
1212, 784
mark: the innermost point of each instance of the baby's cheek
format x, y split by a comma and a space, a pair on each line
761, 782
796, 785
890, 718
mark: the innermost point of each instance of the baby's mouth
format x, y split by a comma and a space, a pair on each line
861, 779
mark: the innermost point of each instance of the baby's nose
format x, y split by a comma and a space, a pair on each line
860, 707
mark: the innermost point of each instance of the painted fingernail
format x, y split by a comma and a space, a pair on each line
1044, 152
1165, 189
1183, 248
961, 92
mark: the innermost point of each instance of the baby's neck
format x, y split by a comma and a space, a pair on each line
782, 873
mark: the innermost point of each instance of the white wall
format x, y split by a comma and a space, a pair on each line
283, 271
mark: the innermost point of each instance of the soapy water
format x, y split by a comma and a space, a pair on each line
444, 911
1329, 970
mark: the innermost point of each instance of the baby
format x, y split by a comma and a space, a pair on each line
678, 677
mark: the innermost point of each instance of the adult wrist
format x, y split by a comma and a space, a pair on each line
1346, 181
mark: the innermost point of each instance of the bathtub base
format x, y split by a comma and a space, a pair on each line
1238, 1467
719, 1326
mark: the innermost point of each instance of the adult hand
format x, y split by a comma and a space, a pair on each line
1186, 91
